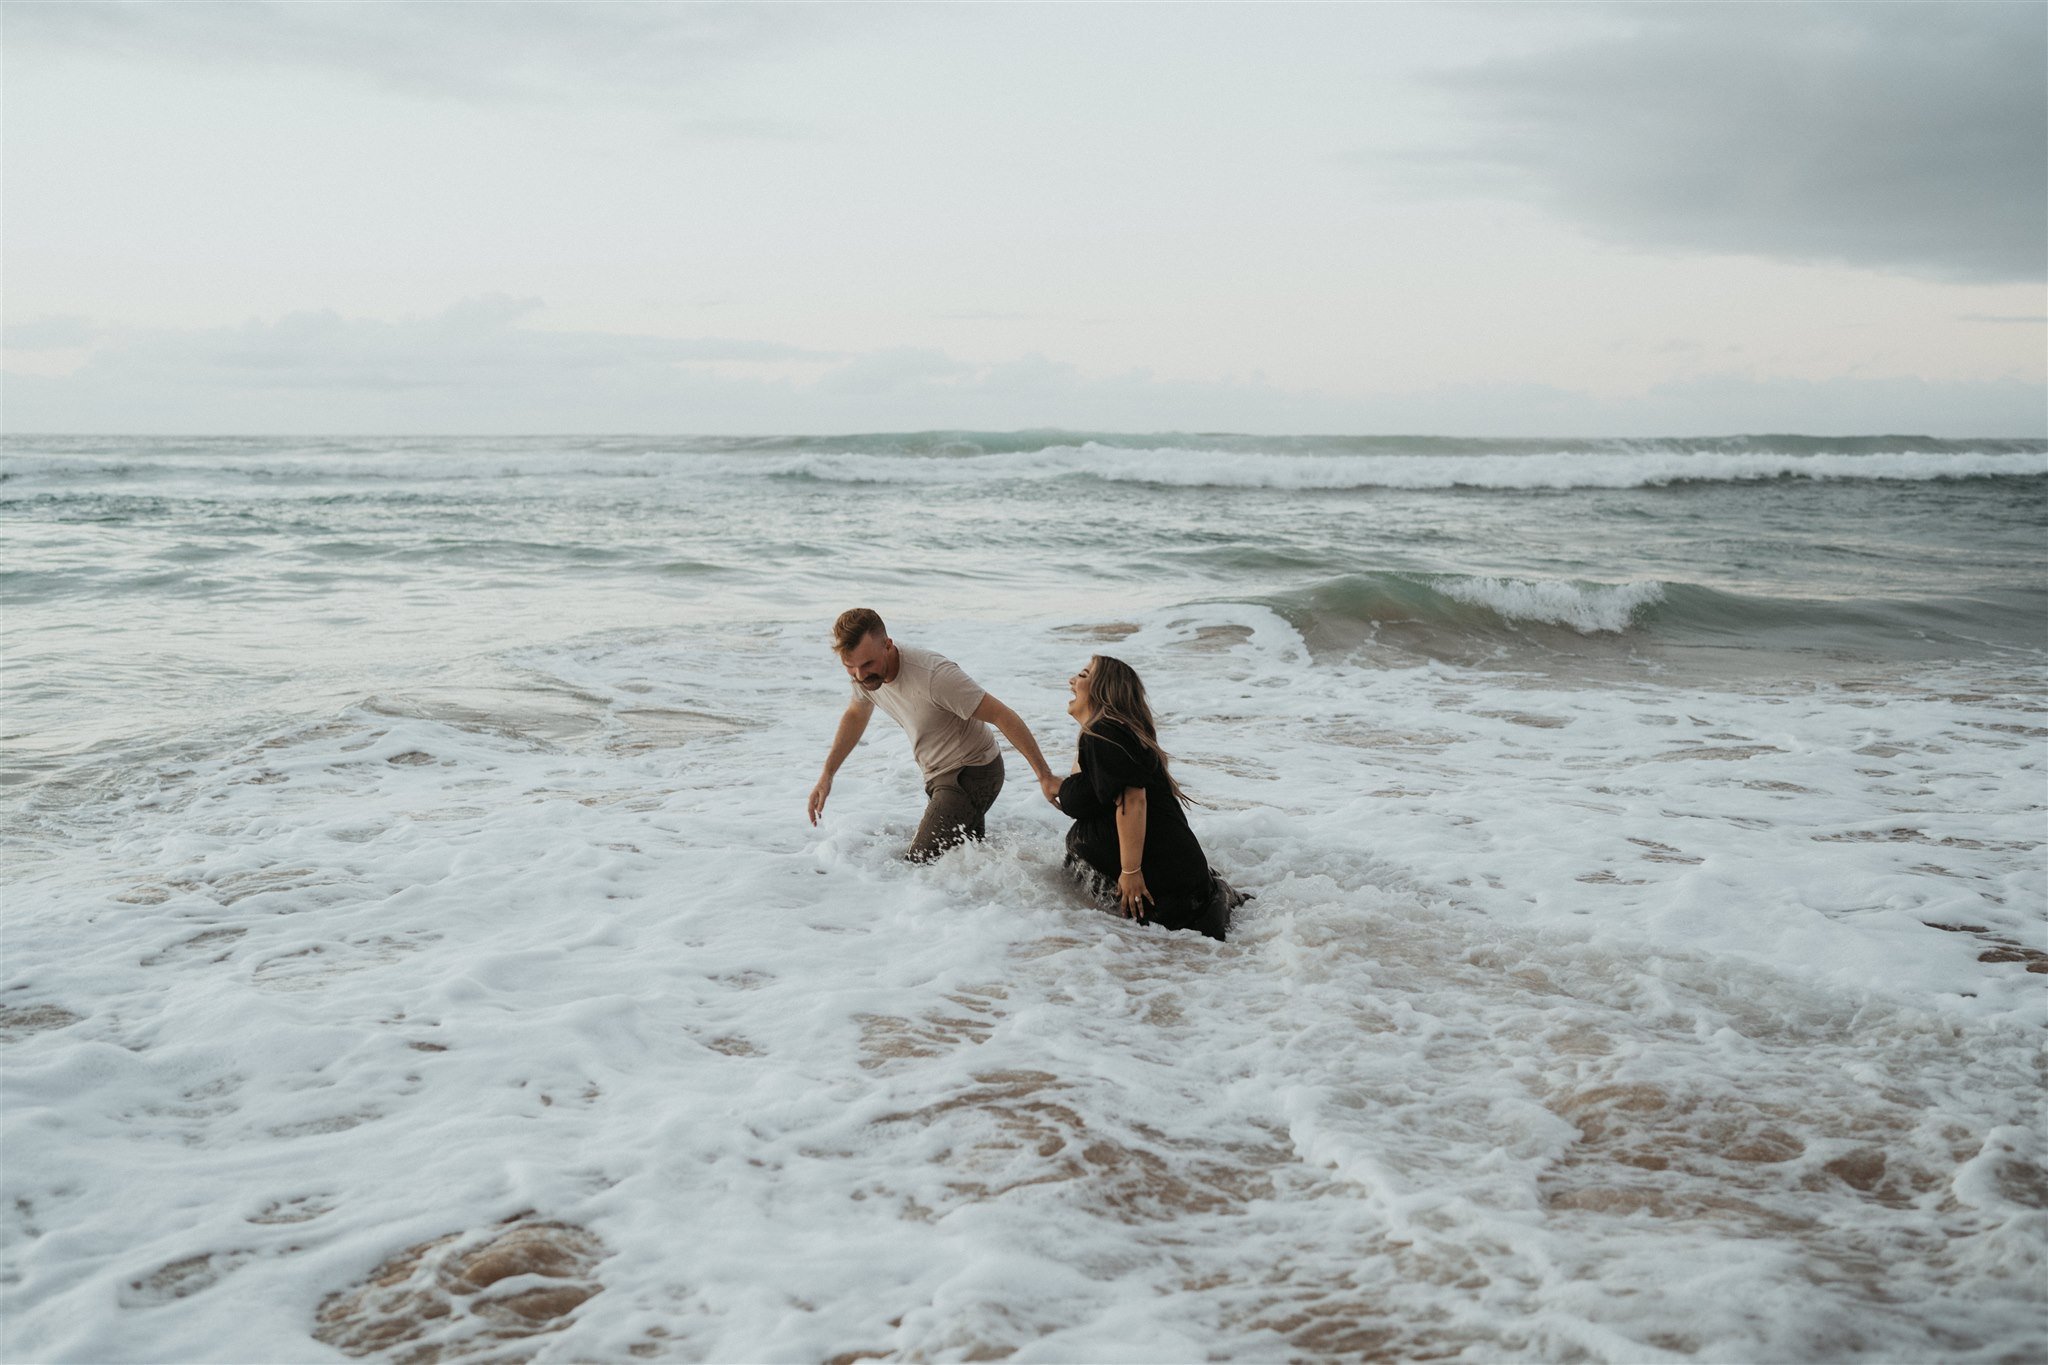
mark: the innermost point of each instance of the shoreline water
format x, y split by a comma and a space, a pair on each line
1636, 973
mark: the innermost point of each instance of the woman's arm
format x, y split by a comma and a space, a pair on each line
1131, 892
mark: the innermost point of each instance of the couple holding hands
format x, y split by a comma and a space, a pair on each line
1130, 843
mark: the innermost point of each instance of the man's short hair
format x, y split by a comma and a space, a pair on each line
855, 625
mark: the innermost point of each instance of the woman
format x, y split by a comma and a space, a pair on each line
1130, 839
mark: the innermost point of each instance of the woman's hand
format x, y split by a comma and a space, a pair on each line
1132, 894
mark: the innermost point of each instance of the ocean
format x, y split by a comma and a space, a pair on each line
415, 947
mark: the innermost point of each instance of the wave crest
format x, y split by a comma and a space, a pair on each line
1588, 608
1455, 616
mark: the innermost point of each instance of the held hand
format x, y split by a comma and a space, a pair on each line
818, 795
1050, 785
1132, 894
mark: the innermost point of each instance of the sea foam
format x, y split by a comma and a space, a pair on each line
1586, 608
1567, 1023
414, 936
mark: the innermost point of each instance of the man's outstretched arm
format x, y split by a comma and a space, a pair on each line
1018, 733
852, 724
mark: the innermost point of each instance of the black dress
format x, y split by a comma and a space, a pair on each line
1185, 893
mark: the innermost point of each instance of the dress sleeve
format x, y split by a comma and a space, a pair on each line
1114, 761
1078, 798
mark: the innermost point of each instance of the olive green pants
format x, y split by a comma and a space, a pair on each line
954, 814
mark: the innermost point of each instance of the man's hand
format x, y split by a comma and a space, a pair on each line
852, 722
1050, 785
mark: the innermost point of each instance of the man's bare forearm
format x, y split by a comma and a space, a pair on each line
1020, 737
852, 725
852, 722
1017, 732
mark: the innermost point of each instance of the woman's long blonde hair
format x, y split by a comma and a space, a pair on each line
1115, 693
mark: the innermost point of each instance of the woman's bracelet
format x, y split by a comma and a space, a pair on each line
1129, 870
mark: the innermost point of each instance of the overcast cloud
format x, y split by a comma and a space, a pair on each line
1900, 137
788, 218
473, 369
546, 51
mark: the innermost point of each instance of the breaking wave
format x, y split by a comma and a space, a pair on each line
1479, 608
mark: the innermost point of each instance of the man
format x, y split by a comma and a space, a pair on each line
945, 713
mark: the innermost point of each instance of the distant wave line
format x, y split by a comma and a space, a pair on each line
1164, 466
1197, 468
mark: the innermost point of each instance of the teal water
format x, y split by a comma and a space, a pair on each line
147, 579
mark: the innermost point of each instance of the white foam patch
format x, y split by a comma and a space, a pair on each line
1587, 608
1602, 1024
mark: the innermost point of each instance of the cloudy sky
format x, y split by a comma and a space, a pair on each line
1487, 220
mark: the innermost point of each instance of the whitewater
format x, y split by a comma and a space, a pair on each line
414, 947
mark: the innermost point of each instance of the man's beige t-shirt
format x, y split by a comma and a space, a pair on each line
933, 699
